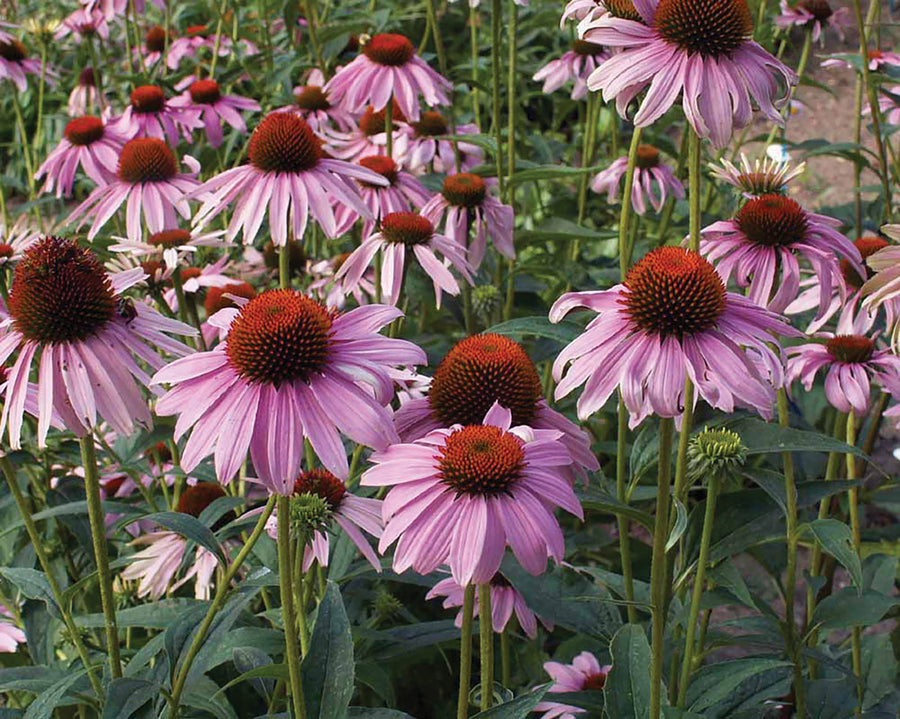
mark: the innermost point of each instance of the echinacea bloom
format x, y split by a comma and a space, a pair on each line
156, 566
765, 238
195, 279
852, 363
425, 146
699, 50
15, 240
504, 601
216, 108
326, 287
763, 177
580, 10
219, 298
464, 203
111, 8
388, 67
876, 59
399, 234
888, 105
196, 37
84, 95
67, 310
583, 674
459, 496
370, 137
287, 176
147, 179
10, 635
575, 64
815, 15
314, 105
478, 371
150, 114
289, 368
84, 23
15, 63
173, 245
883, 288
649, 171
349, 512
671, 319
86, 142
403, 192
155, 42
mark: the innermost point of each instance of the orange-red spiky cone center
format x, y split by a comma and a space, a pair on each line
772, 221
406, 228
389, 49
205, 92
322, 483
283, 142
464, 189
197, 498
712, 28
84, 130
850, 349
146, 159
481, 460
216, 299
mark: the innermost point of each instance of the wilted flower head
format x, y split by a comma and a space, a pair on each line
762, 177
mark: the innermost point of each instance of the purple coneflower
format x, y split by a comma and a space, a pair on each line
287, 176
155, 41
397, 235
388, 67
15, 63
314, 105
699, 50
174, 245
87, 142
289, 368
84, 23
765, 236
195, 279
876, 59
66, 309
216, 108
814, 14
763, 177
671, 319
150, 114
84, 95
478, 371
888, 104
581, 10
148, 179
648, 172
424, 146
349, 512
575, 64
504, 601
404, 192
460, 496
13, 243
10, 635
370, 137
196, 37
583, 674
464, 203
326, 287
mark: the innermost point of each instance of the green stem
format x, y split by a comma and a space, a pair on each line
512, 106
687, 661
496, 22
588, 139
853, 496
284, 265
473, 42
658, 567
761, 14
218, 600
438, 40
98, 535
38, 128
790, 490
623, 523
223, 8
23, 136
98, 80
179, 295
287, 605
37, 543
625, 212
857, 167
389, 126
313, 21
486, 635
505, 663
300, 582
801, 66
465, 653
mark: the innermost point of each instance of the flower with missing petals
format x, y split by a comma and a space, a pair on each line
763, 177
575, 64
87, 142
583, 674
649, 172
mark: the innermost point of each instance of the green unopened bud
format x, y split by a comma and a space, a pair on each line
485, 299
309, 513
387, 606
715, 452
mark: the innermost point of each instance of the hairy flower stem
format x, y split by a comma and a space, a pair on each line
853, 497
587, 150
179, 295
465, 653
801, 66
658, 566
23, 138
625, 212
284, 265
218, 601
486, 635
98, 535
790, 584
438, 40
37, 543
505, 659
473, 42
496, 22
699, 582
223, 8
389, 126
289, 619
624, 526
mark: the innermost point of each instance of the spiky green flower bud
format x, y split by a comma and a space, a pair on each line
309, 513
715, 452
485, 299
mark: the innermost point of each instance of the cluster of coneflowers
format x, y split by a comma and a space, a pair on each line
273, 385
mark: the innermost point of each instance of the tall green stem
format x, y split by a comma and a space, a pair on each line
473, 42
218, 41
505, 659
486, 635
23, 137
288, 617
389, 126
98, 536
853, 496
496, 22
438, 39
624, 525
512, 101
587, 148
699, 582
625, 212
465, 653
658, 566
801, 66
284, 265
37, 543
790, 585
218, 600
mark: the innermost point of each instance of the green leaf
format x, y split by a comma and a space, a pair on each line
44, 703
600, 501
375, 713
727, 576
159, 615
550, 172
328, 669
518, 708
836, 538
270, 671
879, 667
761, 437
713, 682
681, 522
29, 679
627, 688
557, 229
191, 528
125, 696
563, 332
80, 507
846, 609
33, 584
